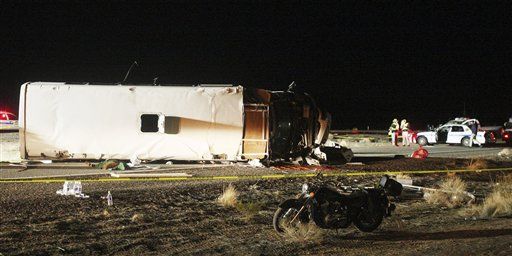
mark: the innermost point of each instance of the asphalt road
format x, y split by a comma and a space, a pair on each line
451, 151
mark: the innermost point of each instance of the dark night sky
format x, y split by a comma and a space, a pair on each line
366, 64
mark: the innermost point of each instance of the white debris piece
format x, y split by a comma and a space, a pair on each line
110, 201
355, 163
72, 188
134, 161
168, 163
506, 152
312, 161
255, 163
330, 143
319, 154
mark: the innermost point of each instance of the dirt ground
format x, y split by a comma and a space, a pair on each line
176, 218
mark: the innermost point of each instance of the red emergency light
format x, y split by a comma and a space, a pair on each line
4, 115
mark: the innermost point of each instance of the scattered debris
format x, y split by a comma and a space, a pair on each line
255, 163
506, 153
355, 163
110, 200
312, 161
319, 154
44, 161
229, 197
111, 164
134, 161
336, 153
421, 153
148, 175
72, 188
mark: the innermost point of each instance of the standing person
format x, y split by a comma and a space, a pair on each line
393, 130
474, 126
406, 140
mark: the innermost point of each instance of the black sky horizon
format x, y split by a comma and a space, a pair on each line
366, 64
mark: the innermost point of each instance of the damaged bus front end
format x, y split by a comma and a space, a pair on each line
296, 128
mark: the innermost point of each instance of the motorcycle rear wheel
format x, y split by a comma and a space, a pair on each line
368, 222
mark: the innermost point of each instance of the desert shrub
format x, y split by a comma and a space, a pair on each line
229, 197
451, 193
303, 232
498, 203
478, 164
250, 209
403, 176
138, 218
404, 179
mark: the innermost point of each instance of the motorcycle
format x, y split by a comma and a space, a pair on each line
329, 208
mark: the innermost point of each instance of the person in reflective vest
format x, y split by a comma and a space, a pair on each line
393, 131
406, 140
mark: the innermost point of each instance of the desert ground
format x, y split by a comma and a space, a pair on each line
185, 218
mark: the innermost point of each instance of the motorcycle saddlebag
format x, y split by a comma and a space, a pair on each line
393, 187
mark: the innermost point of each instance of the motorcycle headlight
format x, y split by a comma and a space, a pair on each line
305, 188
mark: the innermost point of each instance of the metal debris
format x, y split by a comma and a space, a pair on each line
72, 188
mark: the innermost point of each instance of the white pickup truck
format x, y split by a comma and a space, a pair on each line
453, 132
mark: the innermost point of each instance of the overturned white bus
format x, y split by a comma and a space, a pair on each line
200, 122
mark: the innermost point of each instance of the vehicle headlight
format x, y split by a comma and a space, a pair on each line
305, 188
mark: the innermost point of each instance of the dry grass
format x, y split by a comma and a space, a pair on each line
138, 217
229, 197
249, 210
478, 164
403, 176
451, 193
303, 233
498, 203
404, 179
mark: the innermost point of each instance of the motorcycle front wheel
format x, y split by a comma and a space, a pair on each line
368, 221
283, 217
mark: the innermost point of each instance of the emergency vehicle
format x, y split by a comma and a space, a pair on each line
456, 131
